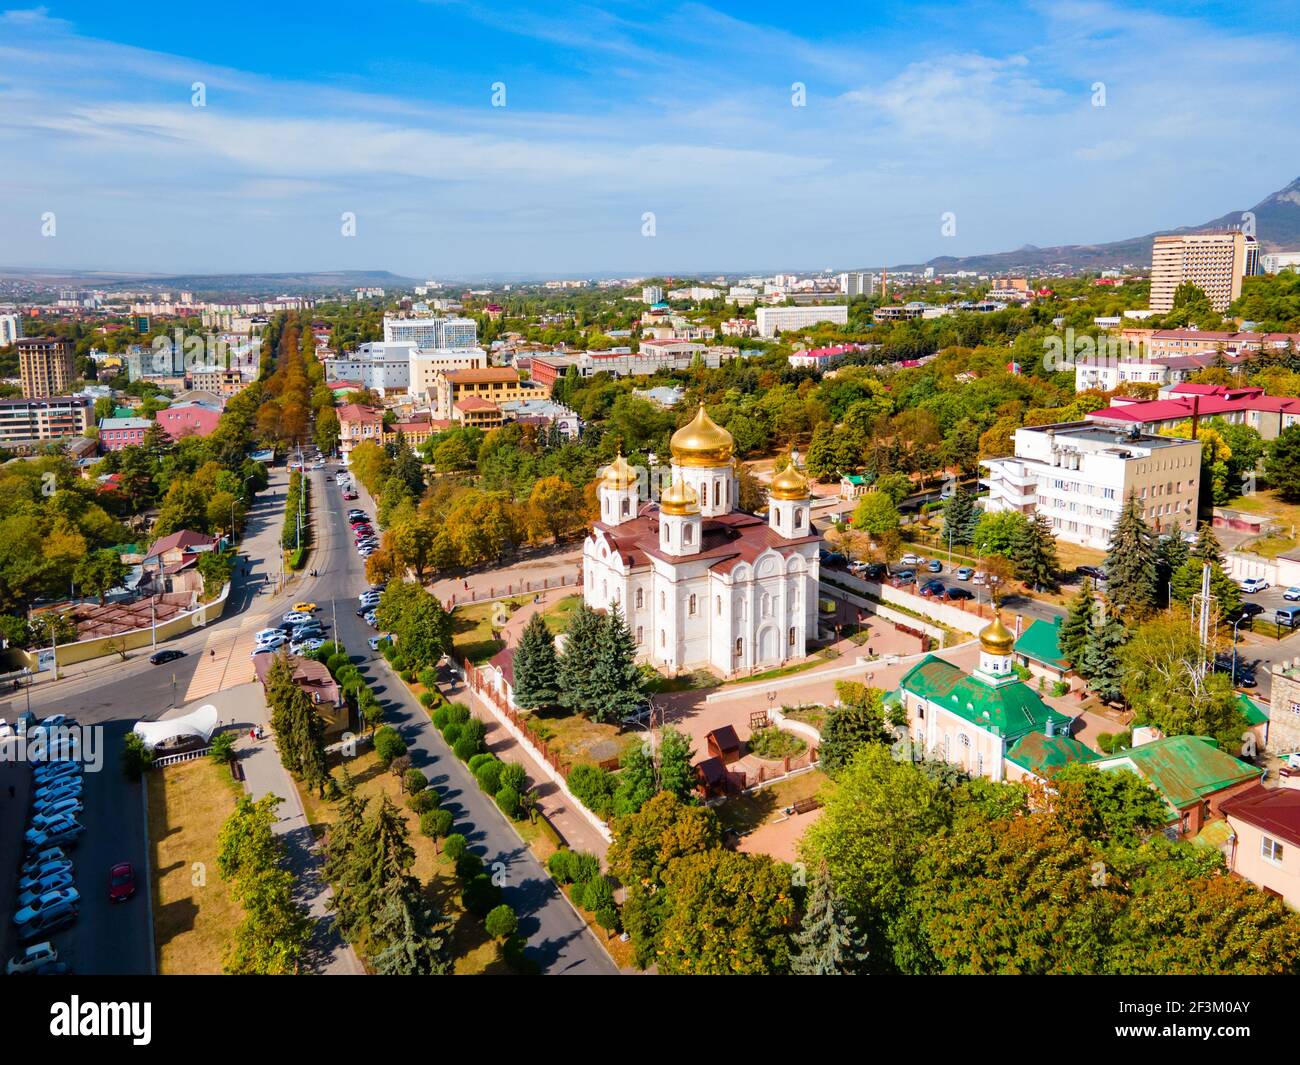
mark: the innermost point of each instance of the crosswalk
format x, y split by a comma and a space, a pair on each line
226, 660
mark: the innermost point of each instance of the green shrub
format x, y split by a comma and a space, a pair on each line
478, 760
513, 776
429, 678
558, 865
607, 918
426, 699
1061, 687
335, 663
468, 866
578, 893
583, 865
512, 953
480, 895
597, 894
389, 745
398, 662
459, 712
436, 823
441, 717
488, 776
508, 799
501, 922
456, 847
408, 676
473, 729
423, 801
467, 747
594, 788
223, 748
451, 732
414, 781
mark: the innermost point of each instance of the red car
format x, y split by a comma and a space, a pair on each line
349, 495
121, 882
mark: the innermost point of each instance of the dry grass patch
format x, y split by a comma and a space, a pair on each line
188, 804
747, 812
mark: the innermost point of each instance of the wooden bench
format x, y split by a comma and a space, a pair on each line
803, 806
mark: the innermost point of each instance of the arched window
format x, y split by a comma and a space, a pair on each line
798, 518
767, 605
686, 534
627, 507
640, 600
691, 606
663, 638
740, 646
793, 632
638, 635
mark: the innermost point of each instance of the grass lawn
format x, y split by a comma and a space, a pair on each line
473, 628
1287, 515
557, 615
188, 804
578, 739
809, 715
696, 680
747, 812
474, 951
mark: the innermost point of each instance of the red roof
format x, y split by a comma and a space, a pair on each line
727, 539
187, 421
1178, 409
474, 403
1272, 810
184, 539
355, 412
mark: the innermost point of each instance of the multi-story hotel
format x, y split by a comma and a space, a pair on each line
23, 420
773, 320
431, 332
1080, 473
11, 328
45, 365
1214, 262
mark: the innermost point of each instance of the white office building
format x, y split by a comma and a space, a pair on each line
11, 328
858, 284
379, 366
425, 364
773, 320
1080, 473
652, 294
431, 332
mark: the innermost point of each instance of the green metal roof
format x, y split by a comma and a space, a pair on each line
1041, 643
1045, 755
1251, 710
1183, 769
1010, 710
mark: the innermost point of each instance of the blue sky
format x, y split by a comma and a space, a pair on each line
612, 111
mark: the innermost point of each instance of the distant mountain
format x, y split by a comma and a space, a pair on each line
216, 285
1277, 224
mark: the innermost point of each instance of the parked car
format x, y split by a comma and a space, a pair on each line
1250, 610
1095, 573
375, 641
38, 858
1291, 594
266, 634
964, 573
934, 588
48, 771
43, 872
306, 608
934, 566
371, 620
58, 788
296, 616
1288, 616
31, 959
169, 655
52, 882
272, 643
370, 593
911, 559
307, 632
49, 811
905, 576
121, 882
49, 901
980, 577
954, 594
304, 647
1253, 584
349, 494
53, 917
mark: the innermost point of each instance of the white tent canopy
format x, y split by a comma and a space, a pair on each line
201, 723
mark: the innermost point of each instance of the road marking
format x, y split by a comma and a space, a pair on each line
225, 660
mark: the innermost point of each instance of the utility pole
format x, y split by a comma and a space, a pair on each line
153, 624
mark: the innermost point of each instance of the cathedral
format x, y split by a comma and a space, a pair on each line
700, 582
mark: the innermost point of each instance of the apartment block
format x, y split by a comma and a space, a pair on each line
431, 332
1080, 473
24, 420
773, 320
45, 365
1214, 262
11, 328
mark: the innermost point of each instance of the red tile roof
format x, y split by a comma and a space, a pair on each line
1272, 810
728, 539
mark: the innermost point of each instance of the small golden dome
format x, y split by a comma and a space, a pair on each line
790, 483
679, 499
996, 638
618, 474
702, 442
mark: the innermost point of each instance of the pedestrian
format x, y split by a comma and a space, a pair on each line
252, 733
870, 651
212, 652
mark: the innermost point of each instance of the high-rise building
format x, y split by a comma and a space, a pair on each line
45, 365
431, 332
652, 294
773, 320
857, 284
11, 328
1213, 262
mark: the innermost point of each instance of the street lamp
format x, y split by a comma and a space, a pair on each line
1234, 647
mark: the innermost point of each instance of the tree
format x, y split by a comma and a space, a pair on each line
1034, 553
960, 516
1185, 583
1131, 562
998, 532
410, 940
1100, 662
537, 666
1073, 635
1115, 807
858, 720
327, 430
585, 634
501, 922
1171, 553
1282, 464
555, 508
99, 572
828, 941
727, 914
616, 680
875, 513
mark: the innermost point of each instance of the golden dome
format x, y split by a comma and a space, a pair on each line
618, 474
996, 638
679, 499
790, 483
702, 442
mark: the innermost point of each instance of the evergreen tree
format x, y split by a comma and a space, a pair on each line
1207, 547
1034, 553
379, 856
676, 758
414, 941
828, 941
1101, 663
1171, 553
850, 725
960, 515
638, 779
1077, 626
616, 678
537, 667
585, 632
345, 830
1186, 583
1131, 562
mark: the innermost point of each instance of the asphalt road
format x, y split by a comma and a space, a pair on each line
557, 938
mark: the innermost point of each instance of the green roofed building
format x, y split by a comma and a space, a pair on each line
1043, 756
973, 720
1191, 774
1039, 650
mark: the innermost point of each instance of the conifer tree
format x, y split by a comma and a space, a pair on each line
1034, 553
537, 667
616, 678
1207, 547
412, 941
1131, 562
1171, 554
828, 941
1077, 627
583, 637
960, 514
1101, 663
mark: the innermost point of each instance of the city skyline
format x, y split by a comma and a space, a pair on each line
686, 114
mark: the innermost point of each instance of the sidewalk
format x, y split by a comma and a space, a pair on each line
327, 953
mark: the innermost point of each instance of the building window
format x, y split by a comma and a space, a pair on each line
663, 638
719, 602
740, 646
638, 635
793, 633
717, 493
690, 609
1271, 850
686, 534
663, 601
640, 599
798, 519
